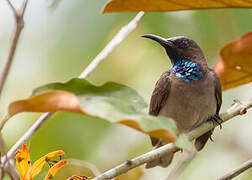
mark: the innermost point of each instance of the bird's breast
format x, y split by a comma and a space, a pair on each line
190, 104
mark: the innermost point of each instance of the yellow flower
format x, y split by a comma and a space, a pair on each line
78, 177
28, 172
54, 169
23, 162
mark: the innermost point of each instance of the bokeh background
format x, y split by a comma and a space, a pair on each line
61, 38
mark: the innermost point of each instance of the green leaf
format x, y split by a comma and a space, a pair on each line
113, 102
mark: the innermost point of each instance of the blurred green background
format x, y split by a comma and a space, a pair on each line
59, 40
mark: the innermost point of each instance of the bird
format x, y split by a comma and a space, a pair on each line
189, 92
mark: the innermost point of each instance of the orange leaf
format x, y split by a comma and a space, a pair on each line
23, 162
52, 171
116, 103
48, 101
40, 163
235, 66
171, 5
158, 133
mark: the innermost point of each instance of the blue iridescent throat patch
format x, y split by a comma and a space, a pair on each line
187, 70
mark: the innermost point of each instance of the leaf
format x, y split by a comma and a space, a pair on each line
76, 167
111, 101
235, 66
49, 101
170, 5
134, 174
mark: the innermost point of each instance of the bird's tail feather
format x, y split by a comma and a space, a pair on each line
162, 161
202, 140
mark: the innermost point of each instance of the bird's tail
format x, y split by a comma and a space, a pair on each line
163, 161
201, 141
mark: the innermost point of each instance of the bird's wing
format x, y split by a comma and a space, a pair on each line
218, 92
201, 141
159, 96
160, 93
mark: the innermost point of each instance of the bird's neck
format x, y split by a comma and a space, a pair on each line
187, 70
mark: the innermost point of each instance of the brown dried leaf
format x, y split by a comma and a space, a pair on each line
171, 5
113, 102
48, 101
235, 66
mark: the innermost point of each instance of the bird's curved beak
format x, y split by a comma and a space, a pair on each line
168, 45
162, 41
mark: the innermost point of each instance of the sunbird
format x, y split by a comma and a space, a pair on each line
189, 92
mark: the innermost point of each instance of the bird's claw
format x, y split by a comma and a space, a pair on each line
218, 120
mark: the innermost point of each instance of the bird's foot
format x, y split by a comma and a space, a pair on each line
216, 118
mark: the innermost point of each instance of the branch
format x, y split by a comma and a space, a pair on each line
19, 24
9, 168
121, 35
236, 109
237, 171
182, 163
112, 45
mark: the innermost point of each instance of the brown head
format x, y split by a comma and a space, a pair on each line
180, 47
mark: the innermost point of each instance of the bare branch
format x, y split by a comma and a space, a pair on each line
27, 135
182, 163
22, 10
19, 24
171, 147
2, 144
237, 171
9, 168
117, 39
122, 34
12, 7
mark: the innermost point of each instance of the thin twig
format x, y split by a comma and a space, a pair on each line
19, 24
182, 163
9, 168
12, 7
2, 123
235, 110
27, 135
122, 34
237, 171
112, 44
2, 144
